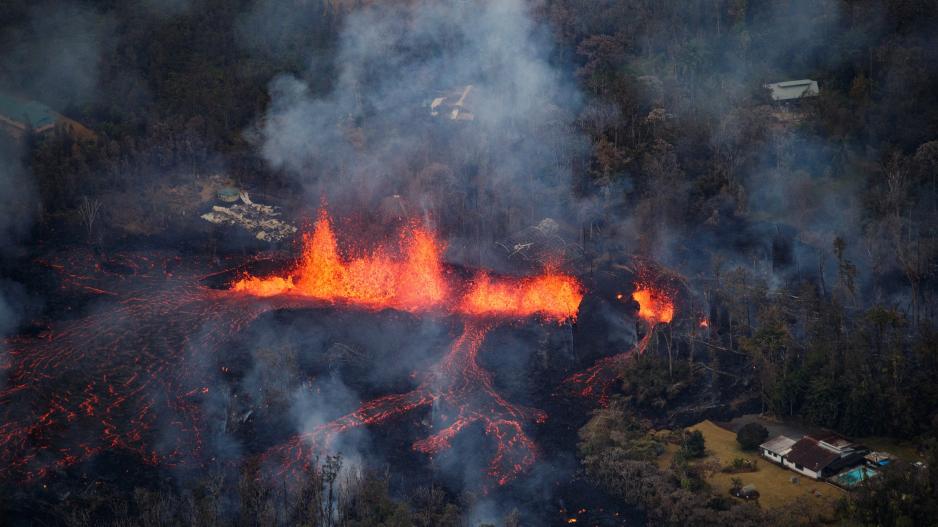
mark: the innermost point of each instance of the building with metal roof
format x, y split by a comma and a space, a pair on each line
793, 90
776, 448
20, 117
23, 116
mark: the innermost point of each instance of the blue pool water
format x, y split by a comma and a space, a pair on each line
853, 477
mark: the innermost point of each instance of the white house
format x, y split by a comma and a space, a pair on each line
821, 458
793, 90
776, 448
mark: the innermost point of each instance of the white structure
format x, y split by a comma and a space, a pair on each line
792, 90
775, 449
454, 105
824, 457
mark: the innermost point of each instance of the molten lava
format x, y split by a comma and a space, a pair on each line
655, 306
410, 280
465, 394
458, 385
121, 378
415, 281
550, 295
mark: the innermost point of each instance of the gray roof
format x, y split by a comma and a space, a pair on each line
789, 90
31, 113
780, 445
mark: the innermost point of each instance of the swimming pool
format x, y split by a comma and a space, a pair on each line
853, 477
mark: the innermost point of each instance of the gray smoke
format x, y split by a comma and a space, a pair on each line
18, 209
54, 58
372, 136
19, 202
781, 174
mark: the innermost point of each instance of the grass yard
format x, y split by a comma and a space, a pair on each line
772, 481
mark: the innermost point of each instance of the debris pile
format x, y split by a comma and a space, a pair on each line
543, 243
260, 220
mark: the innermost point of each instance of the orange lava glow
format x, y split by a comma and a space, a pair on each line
415, 279
550, 295
654, 305
412, 278
409, 279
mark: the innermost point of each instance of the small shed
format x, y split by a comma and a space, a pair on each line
879, 459
792, 90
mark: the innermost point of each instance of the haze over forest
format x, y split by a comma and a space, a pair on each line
468, 262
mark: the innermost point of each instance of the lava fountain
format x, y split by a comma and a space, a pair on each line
415, 281
376, 279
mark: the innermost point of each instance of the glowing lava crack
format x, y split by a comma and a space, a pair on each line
459, 384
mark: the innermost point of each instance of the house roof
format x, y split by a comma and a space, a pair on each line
808, 453
789, 90
779, 445
837, 442
30, 113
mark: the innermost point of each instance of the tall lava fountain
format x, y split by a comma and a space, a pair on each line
415, 280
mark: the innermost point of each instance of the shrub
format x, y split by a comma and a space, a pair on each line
694, 445
751, 435
741, 464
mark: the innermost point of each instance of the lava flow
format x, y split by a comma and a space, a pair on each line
457, 386
134, 375
465, 394
123, 378
655, 306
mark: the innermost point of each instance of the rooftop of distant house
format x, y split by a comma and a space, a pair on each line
792, 90
27, 114
780, 445
20, 117
808, 453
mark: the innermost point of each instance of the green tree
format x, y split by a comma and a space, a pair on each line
693, 444
751, 435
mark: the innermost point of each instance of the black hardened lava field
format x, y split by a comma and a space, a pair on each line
468, 263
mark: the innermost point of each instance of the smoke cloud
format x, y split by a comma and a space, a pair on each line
54, 57
18, 208
373, 136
